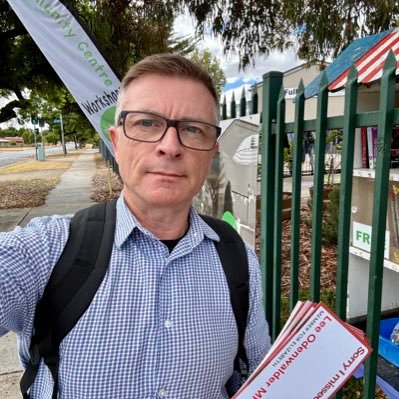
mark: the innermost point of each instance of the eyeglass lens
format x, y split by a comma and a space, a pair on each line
151, 128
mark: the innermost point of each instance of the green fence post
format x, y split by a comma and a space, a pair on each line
296, 192
387, 103
345, 195
278, 192
272, 83
318, 184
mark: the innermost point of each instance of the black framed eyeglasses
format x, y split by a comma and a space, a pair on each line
150, 128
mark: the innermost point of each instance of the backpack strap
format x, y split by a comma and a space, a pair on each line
234, 259
71, 287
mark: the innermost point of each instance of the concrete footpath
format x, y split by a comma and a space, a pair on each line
71, 194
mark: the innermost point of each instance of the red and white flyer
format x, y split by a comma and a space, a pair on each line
314, 354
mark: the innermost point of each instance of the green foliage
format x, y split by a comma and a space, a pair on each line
52, 138
330, 218
288, 154
334, 140
8, 132
329, 229
95, 140
327, 296
22, 64
205, 59
315, 29
28, 136
183, 45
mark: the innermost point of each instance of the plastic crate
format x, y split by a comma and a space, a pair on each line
387, 349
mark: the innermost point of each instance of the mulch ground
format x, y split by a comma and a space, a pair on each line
26, 193
27, 184
106, 184
328, 257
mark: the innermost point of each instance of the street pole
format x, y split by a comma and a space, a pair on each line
43, 152
34, 135
62, 136
41, 134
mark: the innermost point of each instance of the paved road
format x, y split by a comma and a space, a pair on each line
26, 154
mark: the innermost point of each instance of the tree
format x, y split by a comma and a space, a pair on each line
316, 29
27, 135
212, 66
53, 138
9, 132
125, 30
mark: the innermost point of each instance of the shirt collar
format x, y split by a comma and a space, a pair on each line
126, 222
199, 228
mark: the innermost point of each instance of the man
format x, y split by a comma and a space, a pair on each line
161, 323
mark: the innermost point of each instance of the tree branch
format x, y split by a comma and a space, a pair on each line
12, 33
7, 112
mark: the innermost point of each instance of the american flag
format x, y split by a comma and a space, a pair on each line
369, 66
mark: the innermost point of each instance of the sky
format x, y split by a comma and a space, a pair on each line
236, 79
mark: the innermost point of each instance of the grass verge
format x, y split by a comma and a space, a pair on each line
34, 166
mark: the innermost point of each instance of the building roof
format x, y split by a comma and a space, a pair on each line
305, 65
295, 69
367, 53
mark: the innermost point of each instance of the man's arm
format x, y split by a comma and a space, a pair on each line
257, 337
27, 256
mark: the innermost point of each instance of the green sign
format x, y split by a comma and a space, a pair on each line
229, 218
107, 120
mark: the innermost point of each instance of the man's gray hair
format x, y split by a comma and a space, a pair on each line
166, 65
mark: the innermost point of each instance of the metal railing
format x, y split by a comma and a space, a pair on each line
274, 128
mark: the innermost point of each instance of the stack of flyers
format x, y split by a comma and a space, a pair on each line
313, 356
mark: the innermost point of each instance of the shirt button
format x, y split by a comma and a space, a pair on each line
162, 393
168, 323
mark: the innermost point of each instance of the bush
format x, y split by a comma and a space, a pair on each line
330, 219
329, 229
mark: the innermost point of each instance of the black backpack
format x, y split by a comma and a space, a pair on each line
81, 268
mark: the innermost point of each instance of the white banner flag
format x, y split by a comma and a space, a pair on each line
74, 57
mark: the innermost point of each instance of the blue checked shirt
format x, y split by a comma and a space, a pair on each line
160, 325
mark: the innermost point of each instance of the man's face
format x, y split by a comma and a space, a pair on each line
163, 174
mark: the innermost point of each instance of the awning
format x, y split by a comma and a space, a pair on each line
367, 53
247, 151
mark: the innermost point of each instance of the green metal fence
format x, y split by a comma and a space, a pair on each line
273, 129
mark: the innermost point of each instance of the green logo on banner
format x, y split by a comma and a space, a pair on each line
229, 218
107, 120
